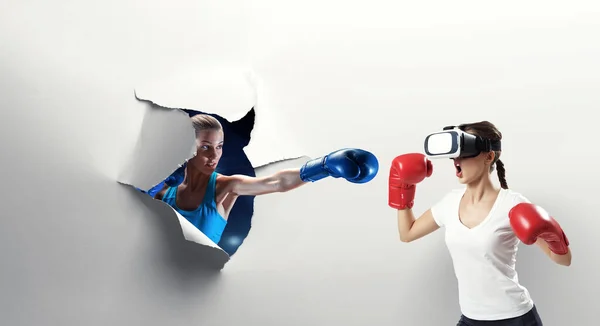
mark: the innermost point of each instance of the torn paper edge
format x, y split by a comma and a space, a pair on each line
262, 127
253, 151
281, 161
251, 79
127, 172
190, 232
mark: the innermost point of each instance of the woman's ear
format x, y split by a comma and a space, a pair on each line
489, 158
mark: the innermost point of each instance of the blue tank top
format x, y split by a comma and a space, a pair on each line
206, 217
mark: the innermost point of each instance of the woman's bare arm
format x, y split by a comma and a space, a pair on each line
411, 229
282, 181
564, 260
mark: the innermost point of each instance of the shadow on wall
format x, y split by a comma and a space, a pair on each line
233, 161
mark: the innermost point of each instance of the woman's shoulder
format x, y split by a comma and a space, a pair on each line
221, 178
452, 195
515, 197
224, 181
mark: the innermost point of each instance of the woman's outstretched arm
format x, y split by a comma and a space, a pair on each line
281, 181
353, 165
564, 260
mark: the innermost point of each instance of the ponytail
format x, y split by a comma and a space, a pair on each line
501, 174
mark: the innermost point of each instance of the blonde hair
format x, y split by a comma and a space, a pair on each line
202, 122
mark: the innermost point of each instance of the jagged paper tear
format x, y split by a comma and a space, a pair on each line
167, 137
228, 91
166, 140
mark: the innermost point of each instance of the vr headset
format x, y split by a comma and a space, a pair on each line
454, 142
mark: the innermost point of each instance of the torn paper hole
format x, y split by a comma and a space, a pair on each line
166, 142
208, 215
218, 151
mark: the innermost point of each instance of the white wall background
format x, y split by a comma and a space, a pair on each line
79, 249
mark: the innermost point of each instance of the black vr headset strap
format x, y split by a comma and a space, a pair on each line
488, 145
496, 145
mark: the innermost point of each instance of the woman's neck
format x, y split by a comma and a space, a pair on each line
480, 189
194, 179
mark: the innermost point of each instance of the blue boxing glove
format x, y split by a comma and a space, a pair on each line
176, 178
354, 165
173, 180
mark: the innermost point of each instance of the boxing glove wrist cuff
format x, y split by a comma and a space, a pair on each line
402, 197
402, 206
314, 170
563, 250
560, 247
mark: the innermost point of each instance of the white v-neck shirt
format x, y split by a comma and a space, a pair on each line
484, 258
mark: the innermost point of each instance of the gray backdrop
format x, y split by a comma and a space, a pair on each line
77, 248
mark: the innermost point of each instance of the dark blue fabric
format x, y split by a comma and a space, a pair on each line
532, 318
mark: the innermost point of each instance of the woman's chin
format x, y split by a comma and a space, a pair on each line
462, 180
210, 168
205, 169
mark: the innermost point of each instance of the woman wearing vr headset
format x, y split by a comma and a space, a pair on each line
483, 224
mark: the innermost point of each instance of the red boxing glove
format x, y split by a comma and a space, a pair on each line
407, 170
530, 222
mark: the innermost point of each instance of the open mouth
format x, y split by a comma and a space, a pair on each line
211, 165
458, 168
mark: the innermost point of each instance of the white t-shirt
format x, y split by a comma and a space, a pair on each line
484, 258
